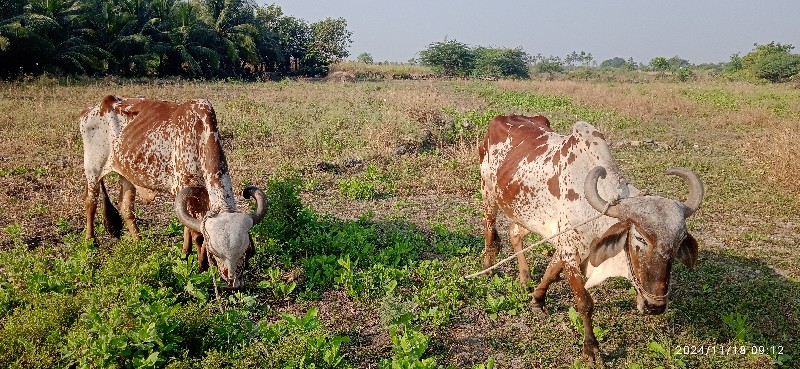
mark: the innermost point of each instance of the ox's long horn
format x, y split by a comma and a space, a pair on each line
183, 213
696, 189
594, 199
261, 202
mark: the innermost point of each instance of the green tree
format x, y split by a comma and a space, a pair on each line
46, 36
660, 64
734, 64
615, 62
676, 63
503, 62
233, 21
550, 65
449, 58
294, 36
330, 38
773, 62
778, 67
196, 38
365, 58
760, 52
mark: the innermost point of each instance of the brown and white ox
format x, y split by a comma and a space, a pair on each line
545, 182
159, 146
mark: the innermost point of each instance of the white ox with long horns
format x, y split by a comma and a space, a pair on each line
545, 182
160, 146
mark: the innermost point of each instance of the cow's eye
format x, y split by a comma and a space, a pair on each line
640, 239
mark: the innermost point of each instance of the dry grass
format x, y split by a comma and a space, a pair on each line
734, 135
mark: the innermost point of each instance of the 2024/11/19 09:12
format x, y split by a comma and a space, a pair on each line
729, 350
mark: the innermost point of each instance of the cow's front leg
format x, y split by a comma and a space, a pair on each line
187, 242
202, 260
591, 348
555, 267
90, 205
518, 233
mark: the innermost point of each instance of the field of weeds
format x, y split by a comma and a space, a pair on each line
374, 219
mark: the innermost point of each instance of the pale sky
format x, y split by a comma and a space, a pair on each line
700, 31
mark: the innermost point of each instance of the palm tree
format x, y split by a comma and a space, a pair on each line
190, 40
233, 22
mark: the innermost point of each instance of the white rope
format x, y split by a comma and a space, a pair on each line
495, 266
501, 262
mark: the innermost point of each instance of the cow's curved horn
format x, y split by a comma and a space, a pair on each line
261, 202
594, 199
696, 189
183, 213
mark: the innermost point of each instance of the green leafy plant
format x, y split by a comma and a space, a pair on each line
345, 277
578, 364
663, 351
280, 289
300, 342
141, 335
495, 305
14, 230
738, 323
370, 185
489, 364
408, 346
190, 282
577, 322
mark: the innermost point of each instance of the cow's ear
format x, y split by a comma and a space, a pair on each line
609, 244
687, 252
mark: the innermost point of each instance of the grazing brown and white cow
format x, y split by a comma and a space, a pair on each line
160, 146
545, 182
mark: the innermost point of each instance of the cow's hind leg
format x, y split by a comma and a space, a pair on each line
550, 275
518, 233
491, 239
127, 197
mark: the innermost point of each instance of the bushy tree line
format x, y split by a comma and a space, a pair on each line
193, 38
454, 58
773, 62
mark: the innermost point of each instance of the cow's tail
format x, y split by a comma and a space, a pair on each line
112, 221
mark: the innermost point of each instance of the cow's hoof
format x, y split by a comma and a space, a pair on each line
591, 353
538, 308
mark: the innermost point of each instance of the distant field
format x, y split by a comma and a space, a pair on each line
375, 219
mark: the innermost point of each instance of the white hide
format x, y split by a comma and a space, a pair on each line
616, 266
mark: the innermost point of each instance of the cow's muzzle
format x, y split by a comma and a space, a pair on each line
650, 308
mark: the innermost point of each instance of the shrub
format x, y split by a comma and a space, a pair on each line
551, 65
142, 334
370, 185
501, 62
296, 342
358, 189
31, 336
284, 218
779, 67
408, 346
450, 58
